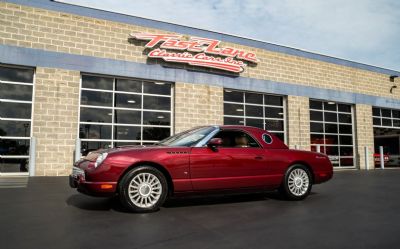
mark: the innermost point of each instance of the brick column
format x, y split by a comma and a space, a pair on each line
364, 135
197, 105
298, 109
55, 120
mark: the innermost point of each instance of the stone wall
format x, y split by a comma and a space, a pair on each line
298, 122
197, 105
55, 120
364, 135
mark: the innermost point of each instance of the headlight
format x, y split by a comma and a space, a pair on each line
100, 159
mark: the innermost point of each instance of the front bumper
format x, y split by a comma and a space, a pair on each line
323, 176
77, 176
78, 180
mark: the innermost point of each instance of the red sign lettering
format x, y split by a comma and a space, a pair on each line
227, 58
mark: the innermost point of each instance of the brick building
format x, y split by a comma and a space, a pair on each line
70, 73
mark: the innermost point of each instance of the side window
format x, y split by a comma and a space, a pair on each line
236, 139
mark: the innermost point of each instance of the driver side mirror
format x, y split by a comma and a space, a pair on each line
214, 143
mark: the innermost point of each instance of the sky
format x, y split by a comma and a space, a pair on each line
365, 31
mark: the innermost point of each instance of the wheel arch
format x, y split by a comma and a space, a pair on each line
157, 166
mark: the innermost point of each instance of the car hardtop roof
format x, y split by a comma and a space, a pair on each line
242, 127
276, 142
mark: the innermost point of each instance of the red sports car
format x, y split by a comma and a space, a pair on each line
201, 160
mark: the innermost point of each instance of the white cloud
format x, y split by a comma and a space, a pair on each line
366, 31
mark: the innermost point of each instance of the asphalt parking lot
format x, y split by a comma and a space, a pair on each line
357, 209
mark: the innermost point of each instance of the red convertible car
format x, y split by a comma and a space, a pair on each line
201, 160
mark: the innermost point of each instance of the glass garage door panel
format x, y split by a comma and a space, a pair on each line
386, 118
118, 112
331, 129
94, 131
386, 124
127, 133
16, 92
16, 74
12, 110
255, 109
16, 88
13, 128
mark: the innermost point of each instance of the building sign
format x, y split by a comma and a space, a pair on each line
196, 51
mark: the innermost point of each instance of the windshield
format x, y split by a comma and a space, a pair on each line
187, 138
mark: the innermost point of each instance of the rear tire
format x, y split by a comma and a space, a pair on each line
297, 182
143, 189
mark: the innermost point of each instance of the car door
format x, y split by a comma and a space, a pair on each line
234, 164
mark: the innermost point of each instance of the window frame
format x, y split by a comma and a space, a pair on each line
381, 117
30, 120
264, 118
338, 145
114, 108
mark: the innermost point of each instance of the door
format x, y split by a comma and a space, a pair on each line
238, 163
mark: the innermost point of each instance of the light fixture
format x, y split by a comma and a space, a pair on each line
281, 113
159, 83
109, 114
239, 110
228, 91
392, 77
131, 101
241, 122
160, 117
391, 89
331, 103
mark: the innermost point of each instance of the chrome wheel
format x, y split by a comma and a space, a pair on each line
298, 182
145, 190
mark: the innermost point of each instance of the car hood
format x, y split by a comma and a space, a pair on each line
92, 156
139, 148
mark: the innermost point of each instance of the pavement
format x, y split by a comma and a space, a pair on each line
356, 209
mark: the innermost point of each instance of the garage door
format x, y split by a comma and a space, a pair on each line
16, 90
387, 134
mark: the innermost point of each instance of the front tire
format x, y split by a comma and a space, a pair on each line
143, 189
297, 183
